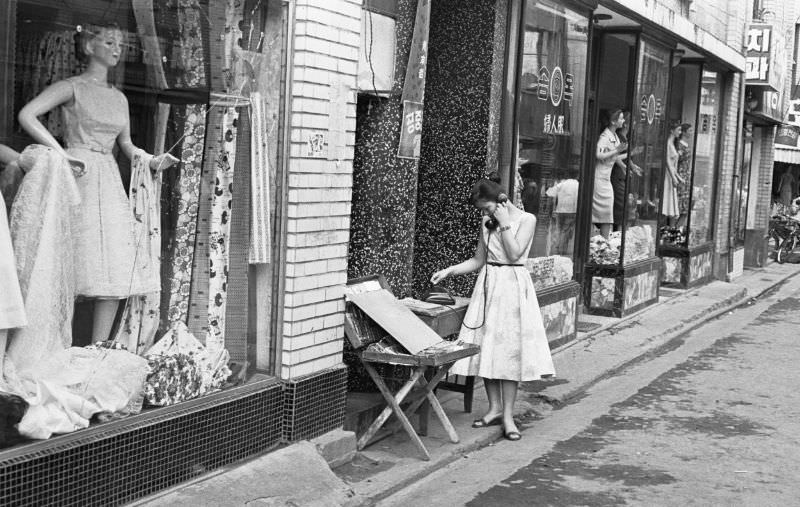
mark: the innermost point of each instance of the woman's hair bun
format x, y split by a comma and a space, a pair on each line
494, 176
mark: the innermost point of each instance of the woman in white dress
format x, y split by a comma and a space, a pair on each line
503, 316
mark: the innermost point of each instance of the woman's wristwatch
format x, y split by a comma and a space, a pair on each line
504, 228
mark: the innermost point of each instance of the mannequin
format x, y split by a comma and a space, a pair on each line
12, 309
684, 171
786, 186
671, 177
609, 148
96, 118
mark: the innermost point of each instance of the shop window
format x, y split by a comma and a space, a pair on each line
707, 143
162, 263
684, 101
625, 212
550, 118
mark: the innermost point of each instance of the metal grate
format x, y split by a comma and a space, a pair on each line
314, 404
585, 327
120, 461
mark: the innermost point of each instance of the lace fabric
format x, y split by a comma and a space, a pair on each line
41, 232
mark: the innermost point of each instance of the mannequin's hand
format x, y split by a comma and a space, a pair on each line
77, 165
440, 275
163, 161
501, 213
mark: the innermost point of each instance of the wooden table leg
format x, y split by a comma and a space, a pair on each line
393, 402
424, 412
433, 401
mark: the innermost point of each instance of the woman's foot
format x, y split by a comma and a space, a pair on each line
488, 420
510, 431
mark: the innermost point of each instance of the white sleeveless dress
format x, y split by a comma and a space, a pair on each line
512, 338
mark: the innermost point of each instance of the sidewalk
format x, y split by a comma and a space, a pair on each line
393, 463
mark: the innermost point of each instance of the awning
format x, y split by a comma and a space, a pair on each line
787, 155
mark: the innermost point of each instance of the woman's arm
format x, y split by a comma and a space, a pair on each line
515, 245
606, 151
468, 266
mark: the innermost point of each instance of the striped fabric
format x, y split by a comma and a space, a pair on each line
260, 239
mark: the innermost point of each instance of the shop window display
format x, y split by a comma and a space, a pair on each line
643, 156
550, 133
123, 199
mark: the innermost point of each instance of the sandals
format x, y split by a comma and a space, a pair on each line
512, 435
494, 421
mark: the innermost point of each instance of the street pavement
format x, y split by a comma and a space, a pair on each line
710, 419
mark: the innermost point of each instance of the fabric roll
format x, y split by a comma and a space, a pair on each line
260, 237
219, 231
183, 201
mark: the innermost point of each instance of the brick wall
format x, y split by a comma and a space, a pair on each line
730, 162
764, 191
326, 48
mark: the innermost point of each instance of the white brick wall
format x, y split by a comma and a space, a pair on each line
319, 192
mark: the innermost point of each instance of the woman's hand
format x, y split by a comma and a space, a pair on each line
441, 275
621, 147
163, 161
501, 213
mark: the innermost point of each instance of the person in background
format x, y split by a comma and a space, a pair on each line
503, 316
565, 194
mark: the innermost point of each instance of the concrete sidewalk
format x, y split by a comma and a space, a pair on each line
393, 463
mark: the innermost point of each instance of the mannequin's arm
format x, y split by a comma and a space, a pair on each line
158, 163
52, 97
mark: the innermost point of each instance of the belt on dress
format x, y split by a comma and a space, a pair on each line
501, 264
97, 149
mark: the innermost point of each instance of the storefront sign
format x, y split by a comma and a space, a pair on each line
414, 85
554, 91
650, 108
763, 102
765, 56
411, 135
787, 135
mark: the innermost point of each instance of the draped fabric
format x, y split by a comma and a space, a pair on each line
183, 203
41, 232
139, 322
12, 307
260, 239
219, 231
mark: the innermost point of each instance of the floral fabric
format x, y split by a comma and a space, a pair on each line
219, 234
184, 201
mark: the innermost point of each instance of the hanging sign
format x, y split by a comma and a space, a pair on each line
414, 85
787, 135
765, 54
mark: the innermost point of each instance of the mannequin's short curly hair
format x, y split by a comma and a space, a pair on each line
85, 33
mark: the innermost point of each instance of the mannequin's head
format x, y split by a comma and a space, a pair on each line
100, 43
486, 193
675, 128
686, 130
616, 120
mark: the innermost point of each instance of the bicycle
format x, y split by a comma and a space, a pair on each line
786, 233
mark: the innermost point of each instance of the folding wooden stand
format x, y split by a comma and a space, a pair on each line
361, 331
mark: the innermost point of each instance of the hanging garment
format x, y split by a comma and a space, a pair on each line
42, 235
12, 308
105, 246
219, 231
139, 322
260, 239
152, 55
185, 193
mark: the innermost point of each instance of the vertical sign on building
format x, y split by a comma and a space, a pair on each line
765, 53
414, 85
